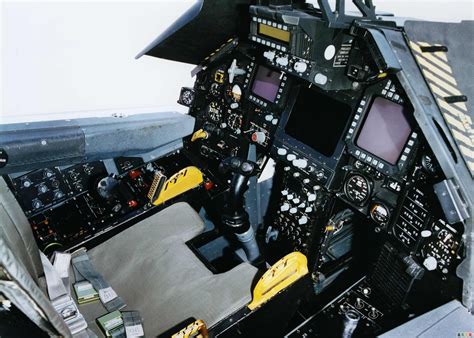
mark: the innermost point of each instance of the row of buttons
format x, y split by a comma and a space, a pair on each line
270, 23
268, 43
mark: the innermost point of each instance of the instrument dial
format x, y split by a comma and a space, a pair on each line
357, 189
379, 213
234, 121
186, 97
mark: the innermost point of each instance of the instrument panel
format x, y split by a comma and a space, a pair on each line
67, 206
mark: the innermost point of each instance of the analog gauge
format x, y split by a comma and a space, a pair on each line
234, 121
215, 89
214, 111
379, 213
186, 97
357, 189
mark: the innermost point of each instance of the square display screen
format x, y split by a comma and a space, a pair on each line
266, 83
385, 130
318, 120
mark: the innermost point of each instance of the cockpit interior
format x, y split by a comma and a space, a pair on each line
320, 185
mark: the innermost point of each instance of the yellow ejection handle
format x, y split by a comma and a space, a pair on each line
184, 180
199, 134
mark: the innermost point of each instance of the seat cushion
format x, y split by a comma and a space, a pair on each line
153, 270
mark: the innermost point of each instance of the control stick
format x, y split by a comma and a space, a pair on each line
235, 217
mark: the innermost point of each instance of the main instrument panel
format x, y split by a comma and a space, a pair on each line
334, 116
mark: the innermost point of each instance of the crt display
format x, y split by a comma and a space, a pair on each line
318, 120
266, 83
385, 130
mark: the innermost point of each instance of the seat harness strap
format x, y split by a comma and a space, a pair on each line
107, 295
61, 300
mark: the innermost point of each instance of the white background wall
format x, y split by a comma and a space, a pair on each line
69, 58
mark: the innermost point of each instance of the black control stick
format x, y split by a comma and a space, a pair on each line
235, 217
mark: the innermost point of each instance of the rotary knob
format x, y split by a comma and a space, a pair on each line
300, 67
26, 183
42, 189
291, 157
303, 220
285, 207
282, 151
282, 61
37, 204
259, 137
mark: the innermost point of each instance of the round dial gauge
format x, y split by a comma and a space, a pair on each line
187, 97
357, 188
234, 121
379, 213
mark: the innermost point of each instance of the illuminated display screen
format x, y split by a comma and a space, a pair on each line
385, 131
274, 33
266, 83
318, 120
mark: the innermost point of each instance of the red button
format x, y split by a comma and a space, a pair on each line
208, 185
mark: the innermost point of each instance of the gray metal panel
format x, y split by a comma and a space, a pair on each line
448, 320
26, 145
52, 143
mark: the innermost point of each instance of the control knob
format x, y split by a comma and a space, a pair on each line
27, 183
37, 204
58, 194
259, 137
282, 61
300, 67
303, 220
311, 197
270, 55
430, 263
282, 151
48, 173
291, 157
42, 189
285, 207
300, 163
293, 211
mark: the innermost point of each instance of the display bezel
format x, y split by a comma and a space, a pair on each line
260, 101
282, 139
357, 124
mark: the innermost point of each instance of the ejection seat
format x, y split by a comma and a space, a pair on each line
148, 265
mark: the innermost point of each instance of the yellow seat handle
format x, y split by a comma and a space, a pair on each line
282, 274
199, 134
184, 180
197, 329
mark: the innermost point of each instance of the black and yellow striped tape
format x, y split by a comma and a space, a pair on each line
433, 61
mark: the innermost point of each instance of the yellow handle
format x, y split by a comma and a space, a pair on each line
199, 134
282, 274
184, 180
196, 329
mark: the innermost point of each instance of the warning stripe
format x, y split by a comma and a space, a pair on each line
431, 57
439, 75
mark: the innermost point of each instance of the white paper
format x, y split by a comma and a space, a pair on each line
62, 261
107, 294
134, 331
